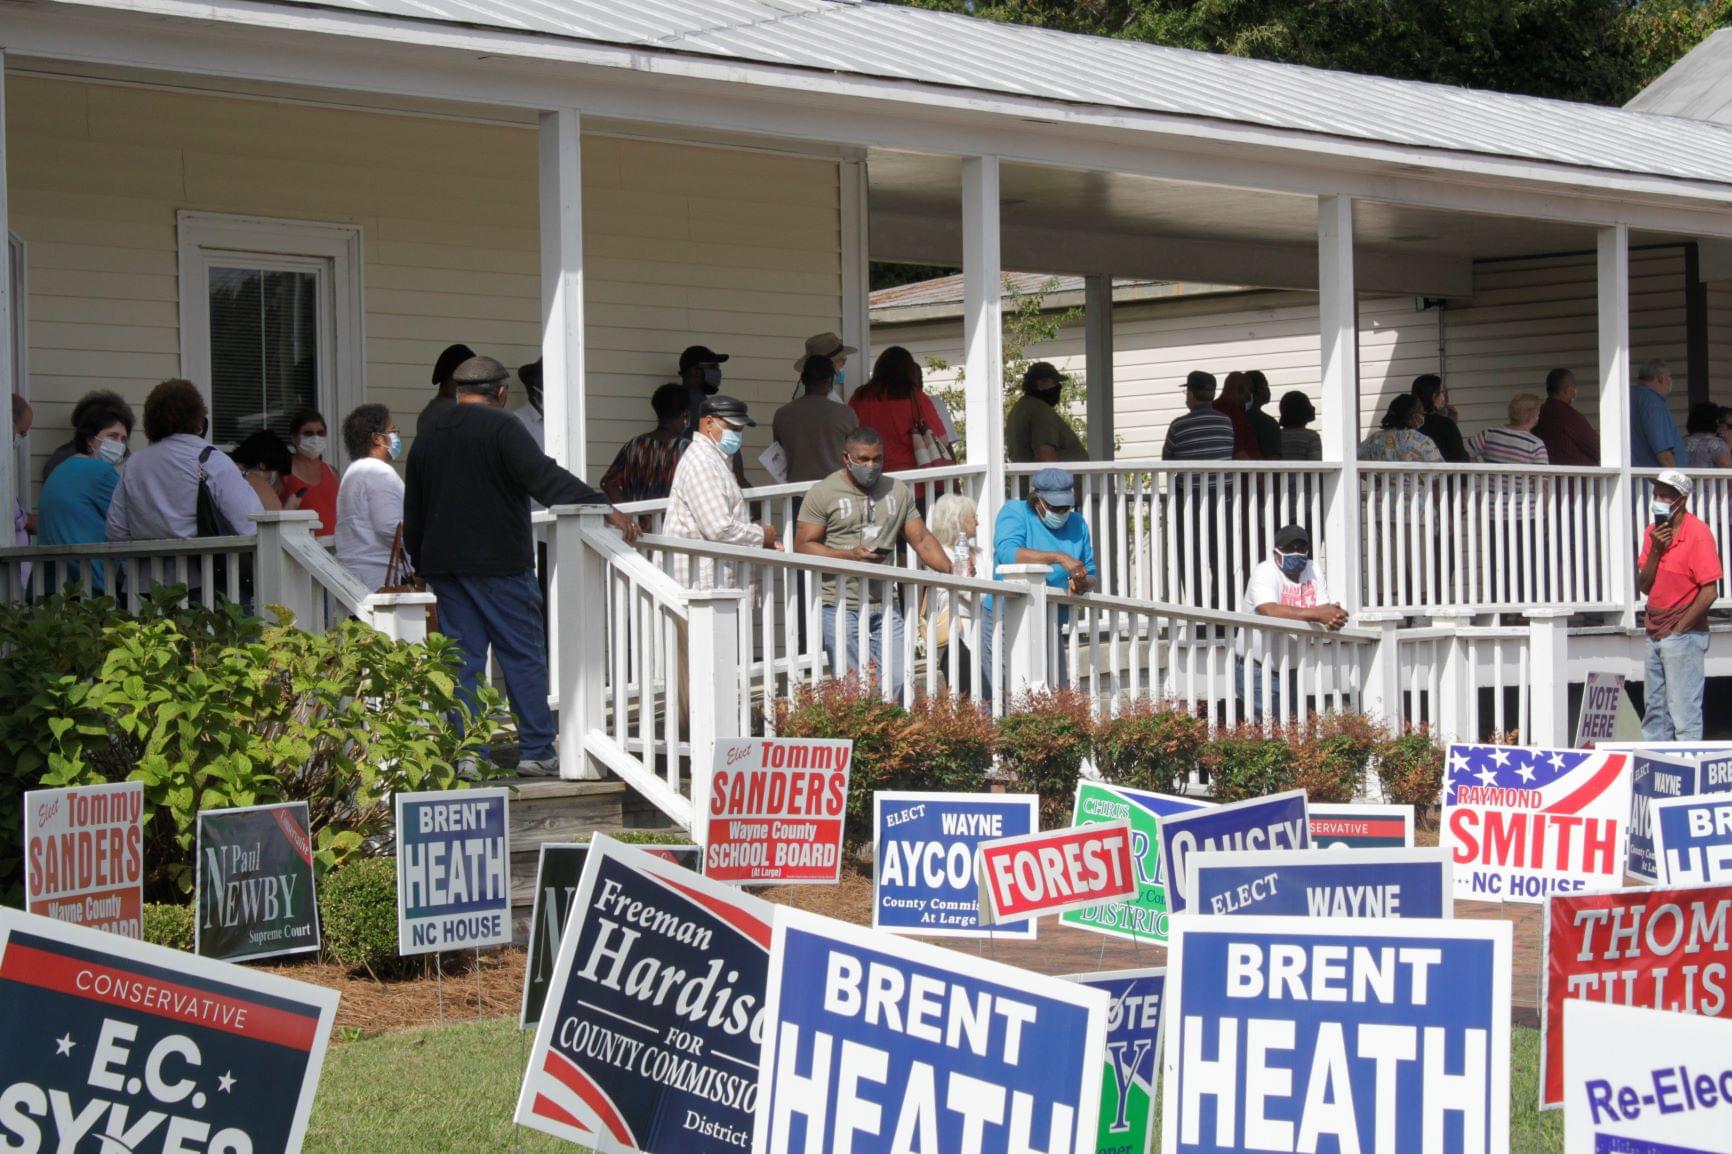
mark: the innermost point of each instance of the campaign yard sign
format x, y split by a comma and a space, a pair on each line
453, 870
775, 810
254, 887
1524, 823
1661, 948
1645, 1081
1278, 821
84, 856
1330, 1035
1693, 839
1053, 871
1361, 826
122, 1046
924, 845
1133, 1057
878, 1044
558, 870
1143, 916
1654, 777
1374, 883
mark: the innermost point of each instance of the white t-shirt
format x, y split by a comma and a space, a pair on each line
369, 509
1268, 584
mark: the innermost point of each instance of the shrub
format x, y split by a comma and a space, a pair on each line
1042, 744
358, 916
950, 742
848, 708
166, 925
1150, 745
1330, 753
1249, 761
1410, 765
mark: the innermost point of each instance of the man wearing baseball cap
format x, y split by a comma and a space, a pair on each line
1043, 530
701, 374
1679, 570
1288, 584
1034, 430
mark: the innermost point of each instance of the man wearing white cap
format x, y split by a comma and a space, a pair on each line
1679, 570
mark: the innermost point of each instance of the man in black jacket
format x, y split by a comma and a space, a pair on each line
471, 474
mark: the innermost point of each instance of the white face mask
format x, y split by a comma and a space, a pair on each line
110, 450
313, 447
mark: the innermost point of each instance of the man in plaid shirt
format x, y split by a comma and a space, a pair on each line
706, 504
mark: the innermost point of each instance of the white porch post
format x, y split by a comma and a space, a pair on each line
1098, 351
1026, 632
1548, 683
8, 386
856, 271
983, 333
713, 629
562, 289
577, 661
1614, 302
1338, 332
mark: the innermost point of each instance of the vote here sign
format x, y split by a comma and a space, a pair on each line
1361, 826
923, 862
1141, 917
1662, 948
84, 856
1693, 840
1524, 823
453, 870
879, 1044
1373, 883
775, 810
1056, 870
1645, 1081
1278, 821
1287, 1035
1133, 1057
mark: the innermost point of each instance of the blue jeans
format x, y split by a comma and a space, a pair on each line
505, 613
1249, 688
988, 668
875, 626
1676, 670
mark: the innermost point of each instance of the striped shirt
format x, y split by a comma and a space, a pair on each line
1203, 434
1504, 446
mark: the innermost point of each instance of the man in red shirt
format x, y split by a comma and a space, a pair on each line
1680, 571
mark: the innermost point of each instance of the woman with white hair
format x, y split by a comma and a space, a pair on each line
954, 520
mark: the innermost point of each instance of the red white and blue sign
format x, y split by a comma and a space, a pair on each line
1361, 826
1288, 1034
1279, 821
453, 870
879, 1044
116, 1045
923, 878
1693, 840
1524, 823
1373, 883
649, 1035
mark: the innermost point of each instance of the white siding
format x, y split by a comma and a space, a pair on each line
683, 244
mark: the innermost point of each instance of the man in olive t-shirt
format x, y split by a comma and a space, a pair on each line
859, 514
1034, 430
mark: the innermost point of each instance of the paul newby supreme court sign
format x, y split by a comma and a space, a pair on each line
453, 870
1643, 1081
1055, 870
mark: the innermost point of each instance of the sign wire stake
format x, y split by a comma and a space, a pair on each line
439, 984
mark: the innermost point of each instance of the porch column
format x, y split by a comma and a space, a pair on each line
856, 272
983, 333
1614, 302
562, 289
8, 386
1098, 349
1338, 332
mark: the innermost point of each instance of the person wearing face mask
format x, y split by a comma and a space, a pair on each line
1034, 430
1043, 530
859, 514
158, 495
264, 460
1288, 585
309, 480
370, 499
828, 345
701, 374
75, 497
1679, 571
705, 502
811, 428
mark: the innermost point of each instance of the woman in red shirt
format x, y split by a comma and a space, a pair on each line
309, 478
893, 403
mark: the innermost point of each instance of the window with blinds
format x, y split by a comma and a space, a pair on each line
264, 348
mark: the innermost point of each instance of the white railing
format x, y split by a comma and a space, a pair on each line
299, 572
212, 568
1711, 500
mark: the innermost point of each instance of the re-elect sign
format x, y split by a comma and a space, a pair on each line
84, 856
1143, 916
1381, 1037
923, 860
1361, 826
453, 870
1053, 871
131, 1047
254, 885
1133, 1057
1278, 821
879, 1044
775, 810
1663, 948
1524, 823
1645, 1082
1374, 883
1693, 839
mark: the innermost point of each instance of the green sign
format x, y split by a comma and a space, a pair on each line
1134, 1025
1145, 918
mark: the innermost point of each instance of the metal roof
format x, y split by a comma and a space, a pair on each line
879, 41
1698, 87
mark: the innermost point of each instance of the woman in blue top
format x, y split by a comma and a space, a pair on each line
74, 500
1043, 530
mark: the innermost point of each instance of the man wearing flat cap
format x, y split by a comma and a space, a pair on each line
1288, 584
471, 475
1680, 572
705, 503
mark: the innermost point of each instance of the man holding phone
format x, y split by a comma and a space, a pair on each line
859, 514
1679, 570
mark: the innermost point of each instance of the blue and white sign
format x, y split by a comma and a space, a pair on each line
1336, 1035
453, 870
1279, 821
923, 860
1693, 840
1133, 1057
879, 1044
1654, 777
1372, 883
1641, 1081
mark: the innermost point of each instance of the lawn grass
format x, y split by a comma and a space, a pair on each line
453, 1088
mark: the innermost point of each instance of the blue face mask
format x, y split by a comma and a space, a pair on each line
1293, 564
1054, 519
396, 446
731, 442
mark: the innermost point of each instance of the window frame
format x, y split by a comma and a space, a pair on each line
207, 239
18, 270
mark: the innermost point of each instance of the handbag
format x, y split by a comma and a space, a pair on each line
928, 448
212, 522
400, 578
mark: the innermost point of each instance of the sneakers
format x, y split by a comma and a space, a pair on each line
538, 767
469, 769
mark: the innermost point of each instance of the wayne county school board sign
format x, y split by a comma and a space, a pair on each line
775, 811
84, 856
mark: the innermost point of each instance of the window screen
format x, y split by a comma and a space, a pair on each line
264, 354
